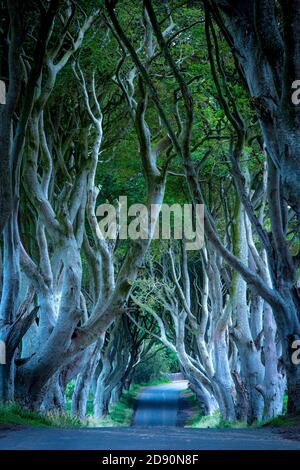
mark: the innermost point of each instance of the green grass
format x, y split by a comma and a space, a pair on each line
203, 422
198, 420
214, 421
282, 421
232, 424
14, 414
120, 414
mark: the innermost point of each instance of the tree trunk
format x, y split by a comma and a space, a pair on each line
8, 306
54, 397
223, 378
83, 382
275, 381
206, 400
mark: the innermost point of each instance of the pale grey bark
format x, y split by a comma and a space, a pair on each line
251, 366
269, 59
83, 382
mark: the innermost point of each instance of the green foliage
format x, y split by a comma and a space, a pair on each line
15, 414
70, 389
156, 367
122, 412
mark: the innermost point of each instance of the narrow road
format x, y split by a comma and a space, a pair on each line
158, 405
154, 429
138, 438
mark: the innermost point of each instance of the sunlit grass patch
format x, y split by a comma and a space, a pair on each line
215, 421
203, 422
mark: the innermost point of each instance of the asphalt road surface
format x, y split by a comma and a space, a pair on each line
154, 429
158, 405
138, 438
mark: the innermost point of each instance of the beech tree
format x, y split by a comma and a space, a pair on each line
268, 58
62, 193
177, 102
279, 297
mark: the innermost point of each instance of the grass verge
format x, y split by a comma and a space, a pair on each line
214, 421
198, 420
120, 414
282, 421
15, 414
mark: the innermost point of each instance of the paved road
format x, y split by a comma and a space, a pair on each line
158, 405
136, 438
